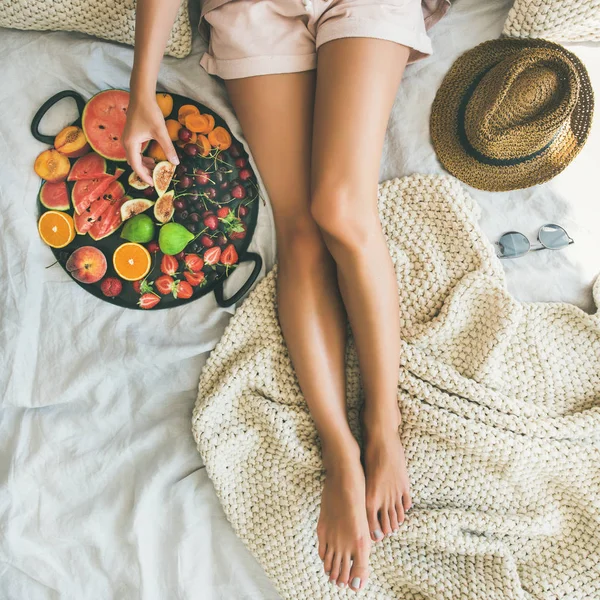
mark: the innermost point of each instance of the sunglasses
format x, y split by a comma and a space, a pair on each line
514, 244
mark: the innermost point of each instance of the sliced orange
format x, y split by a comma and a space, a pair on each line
132, 261
56, 228
165, 103
173, 128
185, 110
219, 138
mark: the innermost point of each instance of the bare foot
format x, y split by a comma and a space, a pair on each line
387, 485
343, 531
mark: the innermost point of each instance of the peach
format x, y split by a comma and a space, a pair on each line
71, 142
52, 166
87, 264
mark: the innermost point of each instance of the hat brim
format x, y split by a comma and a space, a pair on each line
447, 130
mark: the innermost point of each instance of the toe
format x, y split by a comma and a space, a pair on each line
360, 571
384, 519
342, 580
374, 525
406, 501
392, 514
322, 548
335, 567
328, 560
400, 513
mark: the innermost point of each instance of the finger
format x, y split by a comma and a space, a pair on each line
148, 162
162, 137
134, 158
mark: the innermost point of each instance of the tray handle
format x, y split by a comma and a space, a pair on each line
221, 301
39, 115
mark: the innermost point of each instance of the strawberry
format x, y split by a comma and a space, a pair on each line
238, 191
148, 300
223, 212
111, 287
229, 255
212, 255
245, 174
169, 265
194, 279
193, 262
153, 247
240, 162
141, 286
239, 235
206, 241
183, 290
211, 221
165, 284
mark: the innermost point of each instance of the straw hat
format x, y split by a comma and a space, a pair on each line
511, 113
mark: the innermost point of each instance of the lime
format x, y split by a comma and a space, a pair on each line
173, 238
138, 229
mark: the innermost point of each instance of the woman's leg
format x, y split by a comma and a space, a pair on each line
357, 81
276, 114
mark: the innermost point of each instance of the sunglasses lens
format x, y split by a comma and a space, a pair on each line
513, 245
554, 237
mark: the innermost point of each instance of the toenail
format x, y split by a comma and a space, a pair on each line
328, 573
378, 534
342, 585
396, 530
355, 583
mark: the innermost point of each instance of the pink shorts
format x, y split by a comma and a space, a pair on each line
261, 37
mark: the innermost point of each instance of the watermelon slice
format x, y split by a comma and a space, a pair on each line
95, 211
109, 221
90, 166
103, 122
55, 196
87, 191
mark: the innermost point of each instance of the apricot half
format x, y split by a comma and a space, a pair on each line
165, 103
71, 142
156, 152
52, 166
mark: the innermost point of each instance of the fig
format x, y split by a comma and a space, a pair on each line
173, 238
162, 175
136, 183
135, 207
163, 207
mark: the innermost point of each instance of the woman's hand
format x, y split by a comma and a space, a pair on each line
145, 122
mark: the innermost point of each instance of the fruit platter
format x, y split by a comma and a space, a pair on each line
136, 245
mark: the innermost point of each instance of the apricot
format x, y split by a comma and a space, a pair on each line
186, 110
71, 142
156, 152
52, 166
204, 145
173, 128
165, 103
219, 138
197, 123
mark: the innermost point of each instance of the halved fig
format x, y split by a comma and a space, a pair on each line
136, 183
52, 166
163, 207
135, 207
162, 175
71, 142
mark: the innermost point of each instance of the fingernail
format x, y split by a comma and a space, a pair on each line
174, 160
355, 583
378, 534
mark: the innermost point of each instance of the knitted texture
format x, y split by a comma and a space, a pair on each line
558, 20
109, 19
501, 425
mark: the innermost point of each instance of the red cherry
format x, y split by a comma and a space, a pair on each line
245, 174
206, 241
238, 191
241, 162
185, 135
153, 247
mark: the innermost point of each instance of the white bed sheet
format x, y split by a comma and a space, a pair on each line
102, 492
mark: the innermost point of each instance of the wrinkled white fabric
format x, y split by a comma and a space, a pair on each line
102, 493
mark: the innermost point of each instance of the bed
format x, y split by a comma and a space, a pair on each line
102, 491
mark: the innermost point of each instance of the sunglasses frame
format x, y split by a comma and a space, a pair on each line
540, 246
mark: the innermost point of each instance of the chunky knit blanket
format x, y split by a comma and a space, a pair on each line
501, 425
